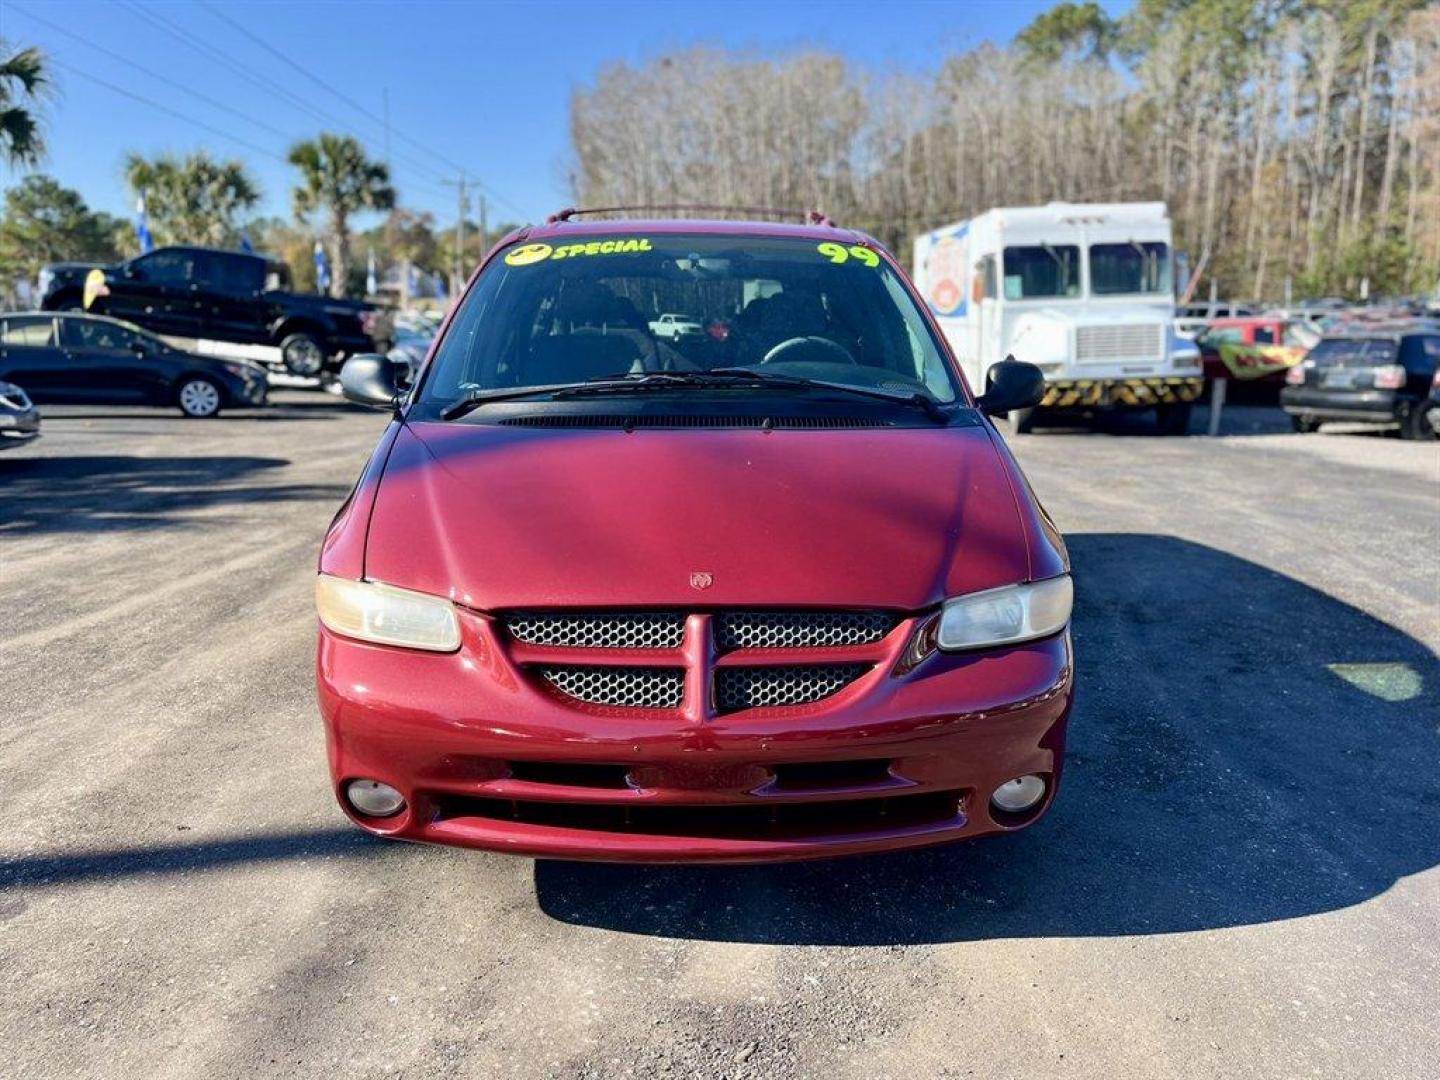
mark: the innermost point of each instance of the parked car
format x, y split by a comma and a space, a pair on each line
673, 326
1377, 375
88, 359
229, 296
1254, 350
776, 593
19, 419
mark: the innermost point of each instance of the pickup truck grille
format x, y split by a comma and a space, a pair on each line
1133, 341
579, 655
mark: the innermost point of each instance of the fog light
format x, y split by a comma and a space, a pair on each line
1018, 795
374, 799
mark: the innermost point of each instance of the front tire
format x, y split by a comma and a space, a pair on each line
199, 398
303, 355
1303, 425
1423, 423
1020, 421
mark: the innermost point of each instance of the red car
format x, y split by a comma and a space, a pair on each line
773, 591
1251, 340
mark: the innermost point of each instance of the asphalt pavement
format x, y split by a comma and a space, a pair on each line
1239, 878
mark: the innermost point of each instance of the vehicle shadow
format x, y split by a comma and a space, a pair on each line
1244, 749
118, 492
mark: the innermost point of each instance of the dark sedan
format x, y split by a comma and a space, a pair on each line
87, 359
1381, 375
19, 419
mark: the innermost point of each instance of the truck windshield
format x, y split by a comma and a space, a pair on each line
1129, 268
1046, 270
550, 313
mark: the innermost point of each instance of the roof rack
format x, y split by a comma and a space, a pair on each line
809, 217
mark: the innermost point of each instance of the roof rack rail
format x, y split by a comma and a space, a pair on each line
809, 217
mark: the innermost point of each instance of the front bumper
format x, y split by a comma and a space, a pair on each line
486, 758
18, 427
1137, 393
1373, 406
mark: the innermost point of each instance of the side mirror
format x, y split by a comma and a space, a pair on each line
1011, 384
366, 379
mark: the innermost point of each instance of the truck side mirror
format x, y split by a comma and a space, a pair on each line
367, 379
1011, 384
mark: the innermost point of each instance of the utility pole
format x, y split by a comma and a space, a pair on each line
484, 227
457, 275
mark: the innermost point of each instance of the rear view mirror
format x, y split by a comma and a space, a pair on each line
1012, 384
367, 379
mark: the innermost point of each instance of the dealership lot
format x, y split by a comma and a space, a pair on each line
1239, 879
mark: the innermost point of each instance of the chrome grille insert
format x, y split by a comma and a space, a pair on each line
638, 630
765, 687
1121, 341
626, 687
800, 629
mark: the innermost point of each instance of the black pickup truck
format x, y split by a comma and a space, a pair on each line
233, 296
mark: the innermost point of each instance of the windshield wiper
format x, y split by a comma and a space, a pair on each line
473, 399
739, 376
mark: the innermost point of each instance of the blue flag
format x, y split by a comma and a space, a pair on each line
322, 267
437, 285
245, 244
412, 280
371, 285
142, 227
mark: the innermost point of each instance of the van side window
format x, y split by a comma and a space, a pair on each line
35, 331
986, 272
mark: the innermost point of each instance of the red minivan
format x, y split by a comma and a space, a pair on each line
773, 590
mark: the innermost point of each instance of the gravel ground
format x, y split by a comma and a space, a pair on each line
1239, 879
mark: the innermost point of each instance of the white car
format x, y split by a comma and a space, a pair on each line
675, 326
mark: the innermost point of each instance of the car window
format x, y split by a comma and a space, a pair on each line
1353, 352
1300, 336
544, 314
238, 274
1042, 271
172, 267
1432, 347
1120, 269
36, 331
1219, 335
96, 334
1264, 335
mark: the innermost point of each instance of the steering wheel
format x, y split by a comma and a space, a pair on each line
791, 344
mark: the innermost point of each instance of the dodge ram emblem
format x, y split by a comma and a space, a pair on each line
701, 579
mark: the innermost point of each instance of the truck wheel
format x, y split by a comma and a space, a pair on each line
1020, 421
1423, 422
1173, 419
198, 398
1304, 425
303, 355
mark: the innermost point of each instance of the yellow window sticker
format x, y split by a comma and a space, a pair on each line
839, 253
526, 254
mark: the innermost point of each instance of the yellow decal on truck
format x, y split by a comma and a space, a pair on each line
94, 286
526, 254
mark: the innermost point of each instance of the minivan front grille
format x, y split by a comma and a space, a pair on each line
619, 630
767, 687
625, 687
801, 629
831, 650
1133, 341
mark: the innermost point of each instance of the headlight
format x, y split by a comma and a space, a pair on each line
1006, 616
386, 615
239, 368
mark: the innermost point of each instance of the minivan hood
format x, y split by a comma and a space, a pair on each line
512, 517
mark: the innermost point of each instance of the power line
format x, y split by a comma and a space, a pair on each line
307, 73
210, 52
166, 109
191, 91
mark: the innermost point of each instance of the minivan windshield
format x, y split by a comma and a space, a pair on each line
545, 314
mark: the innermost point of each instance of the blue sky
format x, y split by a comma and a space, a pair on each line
484, 86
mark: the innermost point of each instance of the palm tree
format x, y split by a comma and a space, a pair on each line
192, 200
22, 81
339, 180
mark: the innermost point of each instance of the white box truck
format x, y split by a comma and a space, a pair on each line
1082, 290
